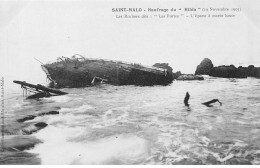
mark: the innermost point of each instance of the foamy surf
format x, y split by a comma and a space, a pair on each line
118, 149
80, 109
57, 99
144, 125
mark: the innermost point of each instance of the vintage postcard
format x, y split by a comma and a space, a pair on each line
134, 82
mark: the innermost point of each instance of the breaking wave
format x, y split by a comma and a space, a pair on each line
145, 125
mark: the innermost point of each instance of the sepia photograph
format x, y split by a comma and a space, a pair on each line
130, 82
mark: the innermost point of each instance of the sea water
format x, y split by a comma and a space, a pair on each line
142, 125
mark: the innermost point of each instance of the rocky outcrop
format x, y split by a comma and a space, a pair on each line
31, 117
226, 71
190, 77
15, 157
20, 143
32, 128
252, 71
177, 74
204, 67
233, 72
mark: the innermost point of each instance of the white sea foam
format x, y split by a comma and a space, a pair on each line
20, 104
110, 117
255, 131
219, 119
65, 119
58, 99
17, 106
121, 148
82, 108
205, 140
240, 143
256, 122
238, 121
108, 112
66, 115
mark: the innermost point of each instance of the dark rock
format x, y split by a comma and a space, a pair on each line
228, 72
238, 161
204, 67
30, 117
250, 71
188, 161
249, 158
177, 74
224, 71
20, 143
19, 158
33, 128
253, 71
49, 113
41, 124
212, 160
190, 77
52, 113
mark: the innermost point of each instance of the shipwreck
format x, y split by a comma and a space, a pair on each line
39, 91
79, 71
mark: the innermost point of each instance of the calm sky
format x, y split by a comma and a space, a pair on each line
49, 29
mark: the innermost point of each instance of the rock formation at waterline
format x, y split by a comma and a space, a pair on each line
20, 142
190, 77
250, 71
177, 74
204, 67
226, 71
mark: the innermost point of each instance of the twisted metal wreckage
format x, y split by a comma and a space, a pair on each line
79, 71
38, 90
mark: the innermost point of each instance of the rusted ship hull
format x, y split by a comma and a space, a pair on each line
81, 72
